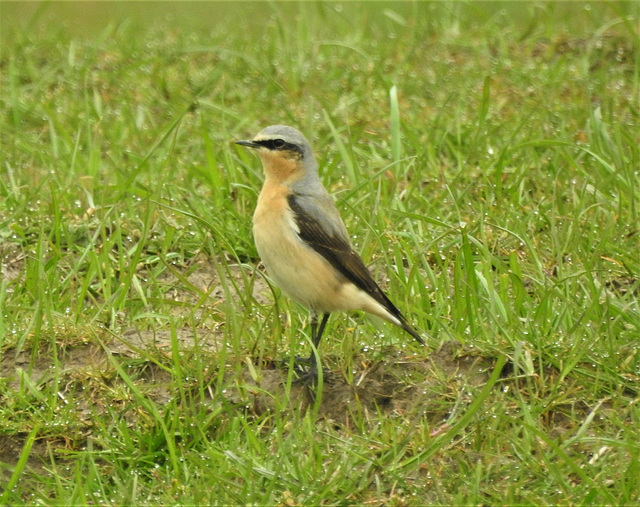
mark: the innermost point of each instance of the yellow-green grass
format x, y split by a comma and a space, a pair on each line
485, 158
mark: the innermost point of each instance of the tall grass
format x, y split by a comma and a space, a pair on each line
485, 159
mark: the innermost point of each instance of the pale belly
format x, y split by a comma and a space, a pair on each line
301, 273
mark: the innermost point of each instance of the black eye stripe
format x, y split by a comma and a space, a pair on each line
279, 145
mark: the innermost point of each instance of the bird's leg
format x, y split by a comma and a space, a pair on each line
314, 329
310, 376
316, 332
316, 336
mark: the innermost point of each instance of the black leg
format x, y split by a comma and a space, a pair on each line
316, 336
314, 327
316, 333
310, 376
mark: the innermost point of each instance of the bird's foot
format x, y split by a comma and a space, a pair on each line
306, 370
300, 364
310, 377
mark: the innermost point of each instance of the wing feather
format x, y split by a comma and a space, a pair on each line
333, 244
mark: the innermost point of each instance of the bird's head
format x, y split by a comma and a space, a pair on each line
285, 153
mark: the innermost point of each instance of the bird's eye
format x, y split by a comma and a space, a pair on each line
278, 143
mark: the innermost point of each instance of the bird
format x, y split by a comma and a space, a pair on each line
303, 242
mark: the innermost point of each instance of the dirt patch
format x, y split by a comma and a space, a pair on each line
397, 386
215, 279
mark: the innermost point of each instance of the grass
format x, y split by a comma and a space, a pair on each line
485, 160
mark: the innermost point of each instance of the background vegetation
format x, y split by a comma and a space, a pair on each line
485, 158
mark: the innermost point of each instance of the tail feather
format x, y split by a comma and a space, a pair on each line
413, 332
397, 318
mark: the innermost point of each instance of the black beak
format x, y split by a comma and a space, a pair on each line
248, 144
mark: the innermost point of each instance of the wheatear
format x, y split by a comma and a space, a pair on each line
303, 241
